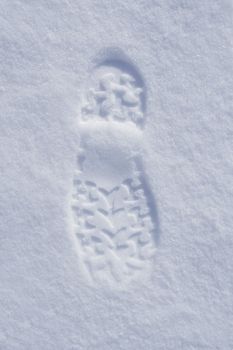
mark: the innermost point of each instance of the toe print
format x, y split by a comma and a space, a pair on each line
116, 96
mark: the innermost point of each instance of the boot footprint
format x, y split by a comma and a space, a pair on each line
113, 217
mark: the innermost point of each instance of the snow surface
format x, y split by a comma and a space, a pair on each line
183, 51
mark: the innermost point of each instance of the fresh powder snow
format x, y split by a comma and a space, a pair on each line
116, 148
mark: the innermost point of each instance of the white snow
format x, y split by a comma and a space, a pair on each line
182, 50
